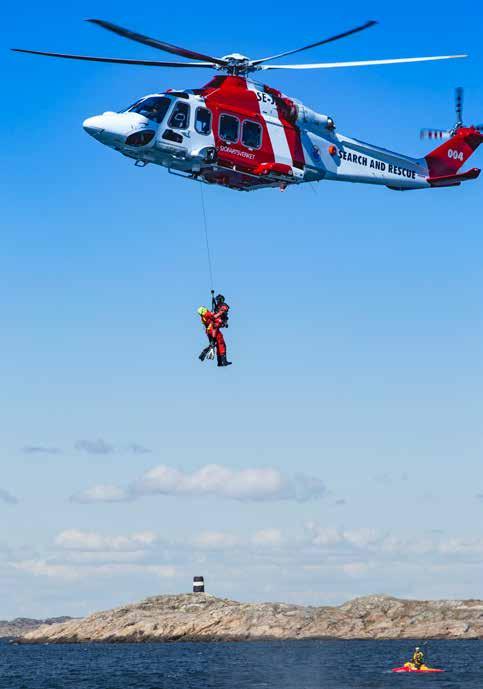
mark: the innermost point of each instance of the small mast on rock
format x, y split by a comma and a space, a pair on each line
198, 585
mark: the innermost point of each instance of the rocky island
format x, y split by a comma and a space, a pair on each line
202, 617
21, 625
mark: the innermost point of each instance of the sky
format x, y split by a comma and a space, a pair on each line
341, 454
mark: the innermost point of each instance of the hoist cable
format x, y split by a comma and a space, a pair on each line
207, 241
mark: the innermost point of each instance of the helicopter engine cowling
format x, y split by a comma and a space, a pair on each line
313, 121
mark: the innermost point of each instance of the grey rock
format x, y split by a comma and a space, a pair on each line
202, 617
21, 625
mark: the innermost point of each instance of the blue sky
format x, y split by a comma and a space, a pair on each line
356, 330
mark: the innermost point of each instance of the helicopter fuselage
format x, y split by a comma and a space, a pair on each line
245, 136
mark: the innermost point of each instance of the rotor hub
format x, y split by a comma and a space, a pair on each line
236, 57
237, 64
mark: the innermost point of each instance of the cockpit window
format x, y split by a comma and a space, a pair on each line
180, 117
203, 121
140, 138
154, 108
130, 107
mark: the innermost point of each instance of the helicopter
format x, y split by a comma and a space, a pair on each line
245, 135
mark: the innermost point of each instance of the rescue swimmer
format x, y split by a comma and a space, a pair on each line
213, 322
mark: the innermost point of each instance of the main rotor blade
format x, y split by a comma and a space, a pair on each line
118, 60
363, 63
154, 43
367, 25
459, 104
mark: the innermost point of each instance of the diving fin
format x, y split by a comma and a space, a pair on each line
204, 353
207, 353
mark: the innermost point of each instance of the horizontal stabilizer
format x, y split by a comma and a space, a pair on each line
454, 180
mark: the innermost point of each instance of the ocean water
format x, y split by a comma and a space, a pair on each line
254, 665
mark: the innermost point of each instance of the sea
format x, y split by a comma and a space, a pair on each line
243, 665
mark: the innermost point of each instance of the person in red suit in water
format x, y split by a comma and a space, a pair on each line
214, 321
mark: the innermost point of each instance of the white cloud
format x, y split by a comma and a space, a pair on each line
45, 568
91, 541
462, 546
103, 556
356, 569
101, 493
216, 540
42, 568
356, 538
324, 536
315, 564
7, 497
386, 544
362, 538
213, 479
268, 538
255, 484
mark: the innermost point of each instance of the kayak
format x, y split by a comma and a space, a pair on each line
410, 667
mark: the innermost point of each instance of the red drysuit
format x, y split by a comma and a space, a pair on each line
213, 322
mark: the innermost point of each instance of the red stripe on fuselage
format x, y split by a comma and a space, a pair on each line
230, 95
294, 142
287, 110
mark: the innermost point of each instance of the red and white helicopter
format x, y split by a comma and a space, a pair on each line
244, 135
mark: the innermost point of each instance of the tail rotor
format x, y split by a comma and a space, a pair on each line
459, 107
440, 134
443, 134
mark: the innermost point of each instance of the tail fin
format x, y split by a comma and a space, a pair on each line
447, 159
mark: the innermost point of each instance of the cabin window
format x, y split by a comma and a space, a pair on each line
229, 128
203, 121
180, 117
251, 134
154, 108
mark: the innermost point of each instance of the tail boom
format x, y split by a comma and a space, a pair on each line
340, 158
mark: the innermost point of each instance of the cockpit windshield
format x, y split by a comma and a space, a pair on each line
154, 108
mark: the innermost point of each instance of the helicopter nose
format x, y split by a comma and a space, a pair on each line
112, 128
94, 125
